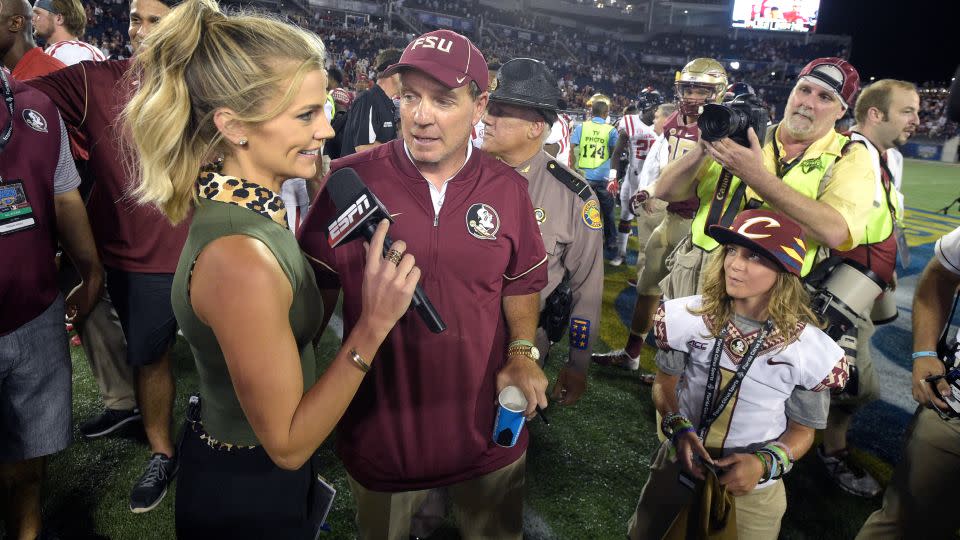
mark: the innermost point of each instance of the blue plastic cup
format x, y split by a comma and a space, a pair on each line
510, 419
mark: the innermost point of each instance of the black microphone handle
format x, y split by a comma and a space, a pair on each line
420, 301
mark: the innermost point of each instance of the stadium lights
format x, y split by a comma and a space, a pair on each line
734, 65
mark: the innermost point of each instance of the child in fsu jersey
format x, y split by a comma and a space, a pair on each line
742, 374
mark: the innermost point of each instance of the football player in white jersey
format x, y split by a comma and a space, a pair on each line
636, 137
743, 382
60, 23
558, 142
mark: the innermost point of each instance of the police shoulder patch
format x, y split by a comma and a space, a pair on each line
570, 180
591, 215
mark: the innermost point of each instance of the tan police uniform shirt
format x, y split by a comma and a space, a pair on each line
572, 231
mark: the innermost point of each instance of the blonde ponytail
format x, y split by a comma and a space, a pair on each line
196, 61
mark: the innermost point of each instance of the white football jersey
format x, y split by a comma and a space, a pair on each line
756, 412
641, 137
476, 135
72, 52
560, 134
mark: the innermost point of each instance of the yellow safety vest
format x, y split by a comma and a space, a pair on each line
594, 147
804, 177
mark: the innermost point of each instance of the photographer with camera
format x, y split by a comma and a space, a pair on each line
886, 116
921, 497
798, 171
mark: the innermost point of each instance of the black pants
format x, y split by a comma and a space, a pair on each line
240, 494
607, 208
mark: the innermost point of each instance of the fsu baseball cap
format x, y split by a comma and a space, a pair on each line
446, 56
770, 234
834, 74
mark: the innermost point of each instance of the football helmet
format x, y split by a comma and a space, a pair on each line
700, 73
649, 99
738, 89
598, 97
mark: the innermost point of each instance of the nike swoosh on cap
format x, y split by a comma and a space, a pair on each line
461, 79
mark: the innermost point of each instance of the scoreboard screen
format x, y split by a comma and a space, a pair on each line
783, 15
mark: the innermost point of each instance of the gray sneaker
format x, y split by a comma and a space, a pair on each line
847, 475
152, 485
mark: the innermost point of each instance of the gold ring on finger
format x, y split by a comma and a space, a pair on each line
393, 256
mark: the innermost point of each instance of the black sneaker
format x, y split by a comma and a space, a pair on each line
110, 420
152, 485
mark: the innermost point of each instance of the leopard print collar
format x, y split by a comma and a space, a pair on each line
232, 190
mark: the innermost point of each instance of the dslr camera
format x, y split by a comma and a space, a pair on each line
732, 119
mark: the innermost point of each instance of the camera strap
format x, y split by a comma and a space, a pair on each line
707, 415
716, 215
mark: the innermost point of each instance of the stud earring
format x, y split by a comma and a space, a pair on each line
242, 141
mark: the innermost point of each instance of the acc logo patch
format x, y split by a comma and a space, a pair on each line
540, 214
483, 222
591, 215
35, 120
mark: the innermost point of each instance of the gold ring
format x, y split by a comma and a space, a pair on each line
393, 256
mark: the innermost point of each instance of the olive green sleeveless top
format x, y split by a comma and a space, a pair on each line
230, 206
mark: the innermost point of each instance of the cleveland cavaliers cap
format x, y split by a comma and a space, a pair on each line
446, 56
770, 234
47, 5
834, 74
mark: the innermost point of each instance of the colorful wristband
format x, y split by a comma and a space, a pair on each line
922, 354
522, 343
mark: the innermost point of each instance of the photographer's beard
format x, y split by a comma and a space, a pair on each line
800, 123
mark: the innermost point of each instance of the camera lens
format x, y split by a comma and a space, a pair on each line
717, 122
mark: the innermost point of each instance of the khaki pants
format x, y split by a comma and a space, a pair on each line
663, 240
921, 500
685, 266
646, 223
106, 351
758, 513
488, 507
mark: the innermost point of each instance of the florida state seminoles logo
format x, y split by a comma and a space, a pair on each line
483, 222
35, 120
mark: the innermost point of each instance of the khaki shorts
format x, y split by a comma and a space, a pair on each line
663, 497
663, 240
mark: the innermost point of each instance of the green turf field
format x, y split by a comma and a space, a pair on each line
585, 471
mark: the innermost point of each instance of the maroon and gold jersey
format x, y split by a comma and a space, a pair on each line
681, 139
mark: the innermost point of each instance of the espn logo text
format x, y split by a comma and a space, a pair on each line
349, 219
432, 42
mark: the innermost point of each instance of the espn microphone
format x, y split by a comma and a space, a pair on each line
358, 211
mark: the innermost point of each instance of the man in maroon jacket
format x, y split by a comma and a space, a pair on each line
139, 247
39, 205
424, 417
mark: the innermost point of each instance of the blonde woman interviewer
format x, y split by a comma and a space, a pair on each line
248, 92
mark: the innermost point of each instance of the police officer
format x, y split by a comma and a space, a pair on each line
519, 115
593, 142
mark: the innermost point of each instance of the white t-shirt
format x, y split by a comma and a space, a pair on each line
72, 52
948, 251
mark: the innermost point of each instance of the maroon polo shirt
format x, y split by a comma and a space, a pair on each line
130, 236
424, 415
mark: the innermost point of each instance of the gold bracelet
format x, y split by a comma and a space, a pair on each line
358, 361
